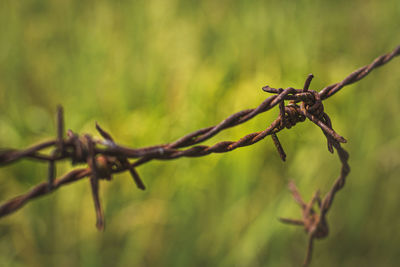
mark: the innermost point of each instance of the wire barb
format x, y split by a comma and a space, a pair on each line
122, 160
94, 182
105, 157
279, 147
59, 147
308, 82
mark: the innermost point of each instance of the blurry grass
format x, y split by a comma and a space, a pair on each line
152, 71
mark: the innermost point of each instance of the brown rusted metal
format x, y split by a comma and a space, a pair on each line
104, 157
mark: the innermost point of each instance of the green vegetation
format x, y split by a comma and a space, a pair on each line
150, 72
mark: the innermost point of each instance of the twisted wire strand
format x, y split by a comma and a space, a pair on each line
359, 74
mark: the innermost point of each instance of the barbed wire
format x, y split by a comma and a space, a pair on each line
105, 157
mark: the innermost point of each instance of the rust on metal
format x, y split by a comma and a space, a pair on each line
104, 157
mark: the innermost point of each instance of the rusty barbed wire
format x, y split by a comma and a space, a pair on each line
105, 157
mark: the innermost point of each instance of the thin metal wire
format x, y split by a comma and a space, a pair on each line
104, 157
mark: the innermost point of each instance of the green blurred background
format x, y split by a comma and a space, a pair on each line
153, 71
